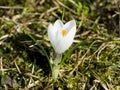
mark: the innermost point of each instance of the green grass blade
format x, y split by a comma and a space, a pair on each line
68, 53
96, 21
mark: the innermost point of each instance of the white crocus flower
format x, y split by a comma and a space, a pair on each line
61, 35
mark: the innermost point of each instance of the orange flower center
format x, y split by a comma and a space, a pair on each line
64, 32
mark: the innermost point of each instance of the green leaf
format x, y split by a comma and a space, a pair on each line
40, 46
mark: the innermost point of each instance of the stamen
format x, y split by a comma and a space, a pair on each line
64, 32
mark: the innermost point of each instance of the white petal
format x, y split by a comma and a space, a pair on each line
51, 34
58, 25
69, 25
66, 41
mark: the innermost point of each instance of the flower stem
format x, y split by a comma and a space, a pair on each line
56, 67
